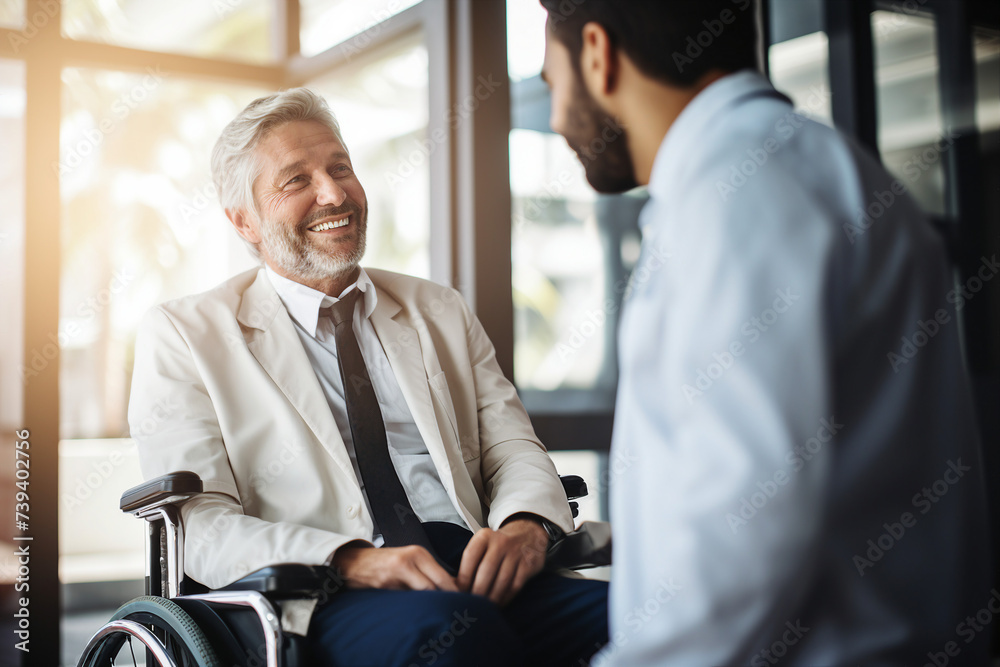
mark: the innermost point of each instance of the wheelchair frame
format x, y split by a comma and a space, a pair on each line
158, 502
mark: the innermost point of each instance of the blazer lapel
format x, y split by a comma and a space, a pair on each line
271, 338
402, 348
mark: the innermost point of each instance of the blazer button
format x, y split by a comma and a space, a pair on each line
352, 511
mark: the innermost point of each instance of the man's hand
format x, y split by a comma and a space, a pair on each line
395, 568
497, 563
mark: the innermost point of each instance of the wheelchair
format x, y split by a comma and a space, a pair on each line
180, 623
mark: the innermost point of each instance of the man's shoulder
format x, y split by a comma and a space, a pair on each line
410, 289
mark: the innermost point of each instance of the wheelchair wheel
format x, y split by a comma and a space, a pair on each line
162, 630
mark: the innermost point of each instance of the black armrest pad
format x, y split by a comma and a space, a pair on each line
163, 487
290, 580
574, 486
588, 546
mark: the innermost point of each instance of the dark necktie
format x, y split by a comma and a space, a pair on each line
390, 506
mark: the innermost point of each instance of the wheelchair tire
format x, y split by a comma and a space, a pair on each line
185, 642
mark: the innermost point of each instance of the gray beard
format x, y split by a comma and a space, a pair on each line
289, 249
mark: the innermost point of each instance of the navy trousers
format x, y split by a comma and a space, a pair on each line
554, 621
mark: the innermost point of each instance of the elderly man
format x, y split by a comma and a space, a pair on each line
331, 409
792, 384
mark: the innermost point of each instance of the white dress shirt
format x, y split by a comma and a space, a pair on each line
796, 472
407, 450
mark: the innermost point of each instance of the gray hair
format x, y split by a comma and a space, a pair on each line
235, 163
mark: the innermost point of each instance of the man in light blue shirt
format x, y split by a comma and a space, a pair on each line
804, 483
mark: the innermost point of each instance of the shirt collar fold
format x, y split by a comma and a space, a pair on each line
304, 303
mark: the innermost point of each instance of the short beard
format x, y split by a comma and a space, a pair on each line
606, 160
290, 249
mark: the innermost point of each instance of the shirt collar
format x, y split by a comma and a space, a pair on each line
693, 123
303, 303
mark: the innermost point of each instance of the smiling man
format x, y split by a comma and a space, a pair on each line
356, 418
791, 381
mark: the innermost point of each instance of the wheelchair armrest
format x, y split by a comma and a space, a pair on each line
588, 546
290, 580
574, 486
173, 488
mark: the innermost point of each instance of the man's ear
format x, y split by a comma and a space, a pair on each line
599, 62
244, 224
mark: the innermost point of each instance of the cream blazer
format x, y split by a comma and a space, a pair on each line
223, 387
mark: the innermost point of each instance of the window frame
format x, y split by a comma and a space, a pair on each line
462, 254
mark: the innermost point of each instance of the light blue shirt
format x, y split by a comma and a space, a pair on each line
409, 454
796, 471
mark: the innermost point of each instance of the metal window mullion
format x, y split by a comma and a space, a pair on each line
763, 19
852, 69
962, 166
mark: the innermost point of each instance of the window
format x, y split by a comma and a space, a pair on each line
130, 127
799, 55
525, 42
227, 29
571, 249
987, 54
325, 23
911, 136
987, 58
380, 100
12, 13
141, 223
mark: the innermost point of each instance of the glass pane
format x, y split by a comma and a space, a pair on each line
799, 56
987, 50
97, 541
12, 14
140, 224
571, 252
12, 101
987, 53
228, 29
593, 506
525, 38
799, 68
587, 465
326, 23
911, 136
557, 268
381, 102
571, 249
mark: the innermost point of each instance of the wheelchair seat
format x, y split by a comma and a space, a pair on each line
181, 623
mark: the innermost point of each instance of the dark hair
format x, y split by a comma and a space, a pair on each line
674, 41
